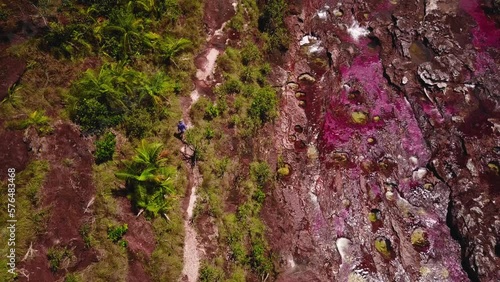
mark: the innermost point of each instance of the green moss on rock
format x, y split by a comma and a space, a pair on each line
359, 117
284, 171
383, 246
419, 238
373, 217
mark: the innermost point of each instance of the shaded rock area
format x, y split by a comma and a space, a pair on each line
396, 163
14, 150
22, 23
12, 70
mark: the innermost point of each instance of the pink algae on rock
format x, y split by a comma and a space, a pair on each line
485, 34
366, 75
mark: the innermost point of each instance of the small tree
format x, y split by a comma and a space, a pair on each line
105, 148
263, 107
272, 21
197, 140
260, 173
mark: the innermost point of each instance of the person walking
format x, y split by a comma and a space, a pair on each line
181, 128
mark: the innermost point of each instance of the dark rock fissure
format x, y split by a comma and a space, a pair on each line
456, 235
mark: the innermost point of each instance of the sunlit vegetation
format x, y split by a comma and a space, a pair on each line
31, 216
115, 234
112, 66
105, 148
117, 93
37, 120
236, 174
120, 67
149, 180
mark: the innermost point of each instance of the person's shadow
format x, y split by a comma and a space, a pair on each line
180, 136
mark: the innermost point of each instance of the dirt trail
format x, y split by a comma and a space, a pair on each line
192, 249
205, 63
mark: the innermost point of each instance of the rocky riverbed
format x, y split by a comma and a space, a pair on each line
390, 122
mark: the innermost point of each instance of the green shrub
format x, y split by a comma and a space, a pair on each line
71, 277
211, 111
250, 54
220, 166
117, 92
115, 234
198, 110
149, 181
210, 273
260, 173
259, 196
94, 117
85, 233
238, 252
138, 123
231, 86
196, 138
238, 275
249, 75
209, 133
245, 211
272, 21
105, 148
264, 104
265, 69
56, 255
259, 259
222, 105
39, 121
67, 41
237, 22
229, 61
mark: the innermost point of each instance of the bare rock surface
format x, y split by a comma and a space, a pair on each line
396, 165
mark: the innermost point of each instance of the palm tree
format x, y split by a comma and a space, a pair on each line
102, 86
148, 154
125, 26
113, 85
149, 180
168, 48
155, 91
159, 8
